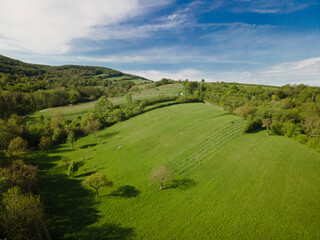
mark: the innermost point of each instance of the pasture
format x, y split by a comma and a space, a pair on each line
228, 185
82, 108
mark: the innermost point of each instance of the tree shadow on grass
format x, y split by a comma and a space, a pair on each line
107, 135
60, 151
107, 232
183, 184
85, 174
68, 205
89, 145
126, 192
56, 148
40, 158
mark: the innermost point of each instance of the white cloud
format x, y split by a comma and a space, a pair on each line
130, 31
49, 26
191, 74
169, 55
271, 6
304, 71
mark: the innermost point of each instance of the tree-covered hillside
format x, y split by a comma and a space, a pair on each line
28, 87
19, 76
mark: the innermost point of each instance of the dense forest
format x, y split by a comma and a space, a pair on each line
28, 87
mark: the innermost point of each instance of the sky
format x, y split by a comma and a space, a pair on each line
273, 42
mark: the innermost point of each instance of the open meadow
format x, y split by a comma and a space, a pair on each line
228, 185
160, 120
82, 108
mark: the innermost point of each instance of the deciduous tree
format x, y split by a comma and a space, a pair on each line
96, 181
73, 168
22, 175
71, 138
45, 143
17, 148
23, 216
244, 111
266, 122
92, 127
161, 175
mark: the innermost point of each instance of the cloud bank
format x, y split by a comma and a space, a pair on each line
50, 26
216, 40
278, 75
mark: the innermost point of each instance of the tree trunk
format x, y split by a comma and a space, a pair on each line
160, 184
97, 193
72, 146
38, 231
46, 232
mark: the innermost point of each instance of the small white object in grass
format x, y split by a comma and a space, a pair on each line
118, 147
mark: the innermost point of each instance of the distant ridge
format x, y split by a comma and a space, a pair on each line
16, 67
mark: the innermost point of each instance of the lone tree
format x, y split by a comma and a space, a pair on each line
161, 175
71, 138
96, 181
73, 167
266, 122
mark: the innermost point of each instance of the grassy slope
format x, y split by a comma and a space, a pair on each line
81, 109
230, 186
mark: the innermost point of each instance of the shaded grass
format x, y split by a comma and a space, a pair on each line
70, 206
126, 192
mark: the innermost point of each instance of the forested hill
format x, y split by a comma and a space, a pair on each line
26, 87
24, 77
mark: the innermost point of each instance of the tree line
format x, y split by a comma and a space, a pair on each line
22, 103
290, 110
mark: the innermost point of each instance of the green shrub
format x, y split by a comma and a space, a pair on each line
276, 128
302, 138
314, 143
290, 129
252, 125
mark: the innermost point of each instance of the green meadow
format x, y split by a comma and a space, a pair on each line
228, 185
82, 108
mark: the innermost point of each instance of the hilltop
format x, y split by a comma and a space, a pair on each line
26, 87
16, 75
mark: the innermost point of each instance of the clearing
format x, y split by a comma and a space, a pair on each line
228, 185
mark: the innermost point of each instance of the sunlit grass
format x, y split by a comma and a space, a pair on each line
228, 185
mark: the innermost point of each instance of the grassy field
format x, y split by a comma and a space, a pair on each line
126, 78
228, 185
83, 108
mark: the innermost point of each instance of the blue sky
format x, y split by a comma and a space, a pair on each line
262, 41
